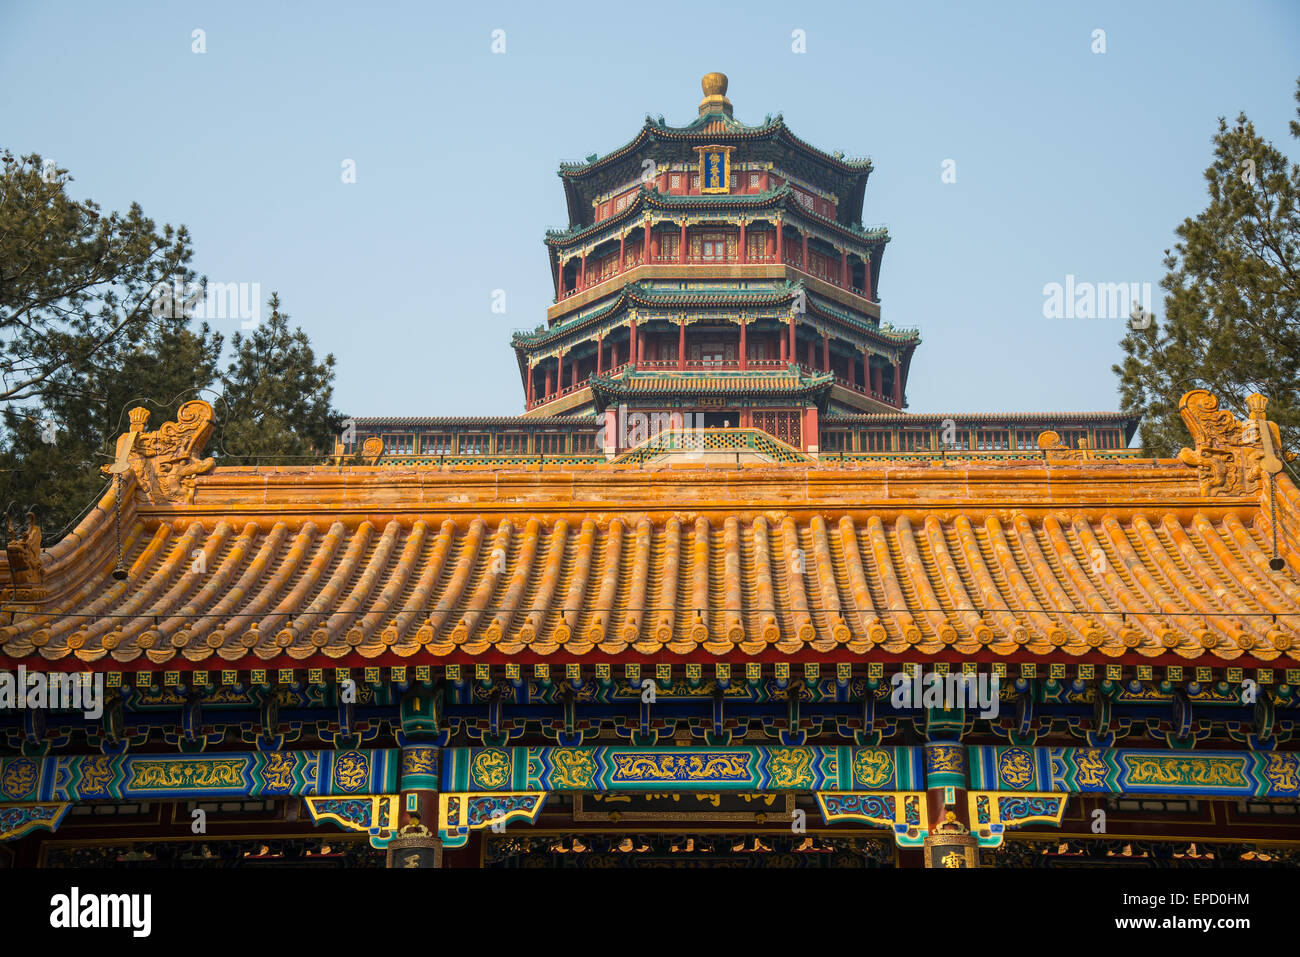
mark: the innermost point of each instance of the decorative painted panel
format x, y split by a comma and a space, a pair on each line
1111, 771
992, 814
130, 777
902, 812
459, 814
685, 769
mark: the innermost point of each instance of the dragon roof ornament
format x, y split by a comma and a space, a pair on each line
1231, 456
165, 462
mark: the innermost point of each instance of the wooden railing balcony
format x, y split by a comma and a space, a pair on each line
731, 365
792, 259
582, 384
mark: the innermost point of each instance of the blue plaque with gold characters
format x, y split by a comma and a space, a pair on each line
715, 168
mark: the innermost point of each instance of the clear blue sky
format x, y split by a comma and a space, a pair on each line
1067, 162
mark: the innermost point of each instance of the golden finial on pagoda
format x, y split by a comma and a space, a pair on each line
715, 94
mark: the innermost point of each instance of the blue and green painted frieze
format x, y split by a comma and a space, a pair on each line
716, 769
130, 777
1115, 771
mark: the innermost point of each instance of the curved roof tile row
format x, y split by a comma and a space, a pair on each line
1191, 583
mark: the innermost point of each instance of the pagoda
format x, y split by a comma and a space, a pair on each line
717, 269
716, 283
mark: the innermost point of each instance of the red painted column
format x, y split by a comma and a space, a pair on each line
600, 348
844, 269
853, 372
783, 345
613, 355
528, 395
559, 284
633, 350
645, 244
582, 273
803, 263
898, 385
826, 353
866, 278
768, 241
877, 378
573, 376
681, 345
742, 244
559, 373
547, 391
681, 251
654, 247
793, 356
622, 247
780, 240
810, 436
744, 360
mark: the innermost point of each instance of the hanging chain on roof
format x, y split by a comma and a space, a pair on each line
119, 572
1275, 563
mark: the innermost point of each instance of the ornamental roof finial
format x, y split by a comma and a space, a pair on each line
715, 94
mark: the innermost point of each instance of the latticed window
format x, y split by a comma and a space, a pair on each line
512, 443
878, 441
584, 443
837, 441
435, 443
711, 353
398, 444
472, 443
1109, 439
958, 440
781, 424
755, 180
1026, 439
551, 443
675, 182
713, 250
668, 245
992, 440
914, 441
1071, 437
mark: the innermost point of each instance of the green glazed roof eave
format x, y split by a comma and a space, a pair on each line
778, 197
637, 293
701, 127
722, 382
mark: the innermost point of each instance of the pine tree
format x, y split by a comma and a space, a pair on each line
82, 337
276, 407
53, 451
74, 283
1232, 322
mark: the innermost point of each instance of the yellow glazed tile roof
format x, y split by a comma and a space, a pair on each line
1065, 558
